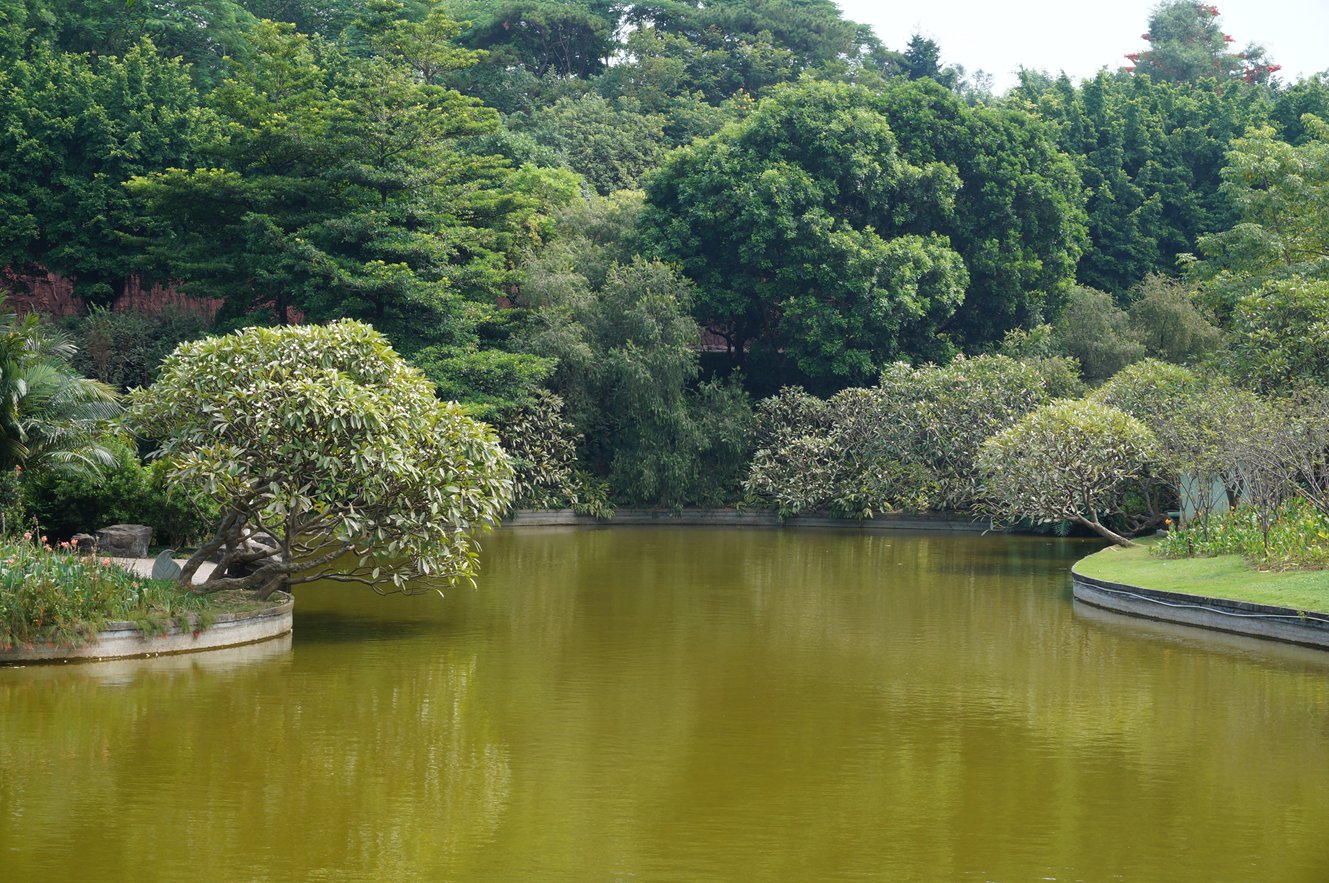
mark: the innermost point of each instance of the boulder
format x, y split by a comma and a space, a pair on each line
255, 543
124, 540
84, 543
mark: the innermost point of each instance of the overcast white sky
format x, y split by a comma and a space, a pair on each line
1080, 36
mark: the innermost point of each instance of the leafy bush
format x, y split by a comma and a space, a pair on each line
908, 443
124, 349
1298, 537
1169, 324
1096, 332
126, 492
54, 596
66, 504
1280, 335
1069, 460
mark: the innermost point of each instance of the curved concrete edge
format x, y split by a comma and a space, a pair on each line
122, 640
735, 518
1306, 628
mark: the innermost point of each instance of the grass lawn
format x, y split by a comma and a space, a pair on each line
1228, 576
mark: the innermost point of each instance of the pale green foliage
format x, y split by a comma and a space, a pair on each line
323, 437
1280, 334
908, 443
817, 455
1150, 391
945, 413
1069, 460
1167, 322
1163, 398
543, 448
1282, 194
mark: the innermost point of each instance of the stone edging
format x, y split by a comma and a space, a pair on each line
120, 640
1307, 628
735, 518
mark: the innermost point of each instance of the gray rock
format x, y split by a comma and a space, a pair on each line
124, 540
256, 543
84, 543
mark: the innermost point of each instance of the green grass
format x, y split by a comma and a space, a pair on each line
1227, 576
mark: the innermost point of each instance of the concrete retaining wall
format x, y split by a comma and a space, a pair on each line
734, 518
124, 639
1308, 629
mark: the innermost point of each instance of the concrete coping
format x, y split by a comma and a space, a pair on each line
122, 639
1304, 627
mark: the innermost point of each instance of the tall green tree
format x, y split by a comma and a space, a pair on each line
835, 230
72, 129
199, 32
1018, 220
811, 238
344, 187
1282, 196
611, 147
627, 363
1150, 155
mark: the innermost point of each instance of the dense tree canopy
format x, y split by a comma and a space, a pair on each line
811, 238
339, 187
468, 176
834, 230
322, 438
71, 132
1150, 156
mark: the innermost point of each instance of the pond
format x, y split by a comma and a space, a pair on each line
686, 704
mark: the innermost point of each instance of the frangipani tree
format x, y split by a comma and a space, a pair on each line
1068, 461
325, 439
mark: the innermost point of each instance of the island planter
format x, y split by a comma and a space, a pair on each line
122, 640
1307, 628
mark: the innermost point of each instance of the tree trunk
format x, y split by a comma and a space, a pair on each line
1102, 531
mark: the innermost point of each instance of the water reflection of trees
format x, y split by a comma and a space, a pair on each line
299, 765
818, 696
687, 704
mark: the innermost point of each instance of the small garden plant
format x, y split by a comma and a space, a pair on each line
1296, 538
51, 595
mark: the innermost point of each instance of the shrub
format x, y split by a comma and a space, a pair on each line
1169, 324
124, 349
13, 514
1297, 538
65, 504
908, 443
126, 492
1095, 331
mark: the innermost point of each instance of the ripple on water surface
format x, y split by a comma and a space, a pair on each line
686, 704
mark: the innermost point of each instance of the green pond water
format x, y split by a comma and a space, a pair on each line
644, 704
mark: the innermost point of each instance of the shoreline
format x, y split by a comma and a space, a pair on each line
745, 518
1288, 625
